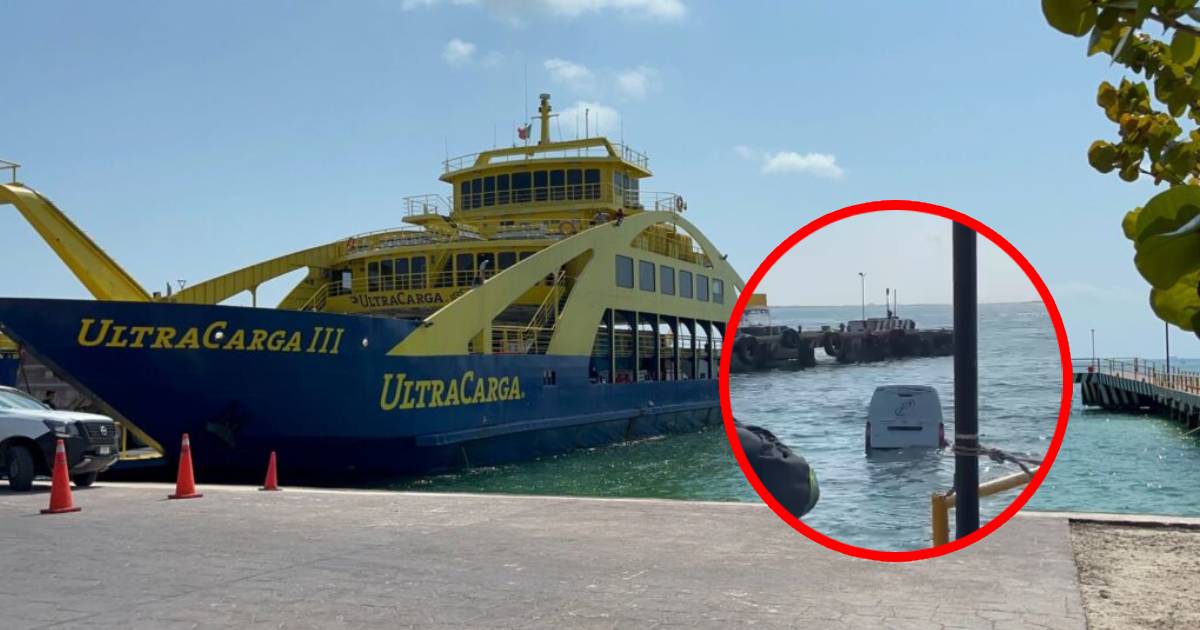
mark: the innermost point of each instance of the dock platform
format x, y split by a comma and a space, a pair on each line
349, 559
1138, 385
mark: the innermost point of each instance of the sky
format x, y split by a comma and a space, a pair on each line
909, 252
190, 139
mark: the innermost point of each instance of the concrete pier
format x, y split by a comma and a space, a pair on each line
332, 559
1133, 386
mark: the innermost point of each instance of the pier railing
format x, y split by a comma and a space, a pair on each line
1152, 371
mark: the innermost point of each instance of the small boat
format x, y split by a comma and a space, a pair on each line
905, 416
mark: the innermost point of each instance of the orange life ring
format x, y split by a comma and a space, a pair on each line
566, 227
350, 243
679, 205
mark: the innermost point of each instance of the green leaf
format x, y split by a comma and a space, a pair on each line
1166, 234
1073, 17
1178, 304
1185, 48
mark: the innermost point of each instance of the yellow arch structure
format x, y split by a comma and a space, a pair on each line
449, 330
98, 272
218, 289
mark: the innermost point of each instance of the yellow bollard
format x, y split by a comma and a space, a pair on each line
941, 519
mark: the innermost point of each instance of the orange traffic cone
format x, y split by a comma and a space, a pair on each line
60, 488
272, 482
185, 483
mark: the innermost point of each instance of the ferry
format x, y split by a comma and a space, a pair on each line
548, 303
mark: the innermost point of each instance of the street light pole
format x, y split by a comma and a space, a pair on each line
863, 280
1093, 346
966, 382
1167, 339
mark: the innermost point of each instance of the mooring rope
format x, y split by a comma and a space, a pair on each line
997, 456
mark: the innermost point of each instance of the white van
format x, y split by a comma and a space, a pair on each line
905, 416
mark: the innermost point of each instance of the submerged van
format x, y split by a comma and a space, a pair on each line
905, 416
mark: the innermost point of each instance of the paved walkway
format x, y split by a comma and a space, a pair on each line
327, 559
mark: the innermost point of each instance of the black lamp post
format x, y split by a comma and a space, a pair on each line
966, 382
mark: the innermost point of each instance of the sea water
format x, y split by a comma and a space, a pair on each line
1109, 462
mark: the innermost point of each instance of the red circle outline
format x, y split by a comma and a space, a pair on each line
1064, 355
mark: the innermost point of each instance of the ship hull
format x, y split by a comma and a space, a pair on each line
323, 391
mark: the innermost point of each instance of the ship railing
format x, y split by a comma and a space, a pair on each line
632, 156
673, 243
1151, 371
12, 167
534, 338
432, 203
575, 195
317, 301
535, 152
391, 238
623, 345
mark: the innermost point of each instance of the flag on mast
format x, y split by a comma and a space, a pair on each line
524, 130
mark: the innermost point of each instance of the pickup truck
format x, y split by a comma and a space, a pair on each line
30, 430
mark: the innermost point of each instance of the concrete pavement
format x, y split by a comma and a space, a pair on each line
333, 559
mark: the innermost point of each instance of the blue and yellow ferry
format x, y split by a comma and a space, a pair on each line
547, 304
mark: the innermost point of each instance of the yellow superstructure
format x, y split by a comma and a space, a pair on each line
541, 247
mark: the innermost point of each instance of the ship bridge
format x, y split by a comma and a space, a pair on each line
572, 180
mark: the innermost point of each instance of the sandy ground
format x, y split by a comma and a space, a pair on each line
1138, 577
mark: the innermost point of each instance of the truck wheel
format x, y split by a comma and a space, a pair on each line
84, 480
20, 468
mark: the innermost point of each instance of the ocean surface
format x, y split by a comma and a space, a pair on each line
1109, 462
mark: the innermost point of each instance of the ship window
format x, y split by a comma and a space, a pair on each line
502, 189
591, 180
702, 287
646, 275
418, 272
507, 259
464, 264
402, 279
718, 291
372, 276
618, 190
575, 183
666, 279
539, 186
465, 202
685, 283
557, 190
524, 255
476, 192
347, 281
386, 279
489, 190
520, 187
624, 271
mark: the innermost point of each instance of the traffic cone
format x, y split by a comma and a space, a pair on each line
185, 483
60, 488
272, 482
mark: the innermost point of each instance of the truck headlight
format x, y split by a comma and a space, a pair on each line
61, 428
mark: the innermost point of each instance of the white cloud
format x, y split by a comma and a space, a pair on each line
575, 75
659, 9
637, 82
457, 52
818, 164
593, 118
513, 11
785, 162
